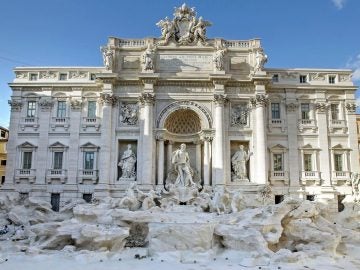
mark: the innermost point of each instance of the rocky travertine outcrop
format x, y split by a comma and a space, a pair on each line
290, 232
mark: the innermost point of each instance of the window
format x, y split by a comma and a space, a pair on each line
302, 78
31, 108
332, 79
61, 109
63, 77
2, 179
89, 160
58, 160
307, 162
279, 199
3, 133
27, 159
334, 111
278, 162
338, 162
305, 111
33, 77
310, 198
91, 109
92, 77
275, 110
3, 162
87, 197
275, 78
55, 202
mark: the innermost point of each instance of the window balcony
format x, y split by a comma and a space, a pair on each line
92, 175
337, 124
56, 174
310, 176
277, 124
276, 176
28, 174
90, 122
32, 122
340, 176
307, 124
60, 122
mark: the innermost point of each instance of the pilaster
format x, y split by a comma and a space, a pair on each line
292, 120
324, 155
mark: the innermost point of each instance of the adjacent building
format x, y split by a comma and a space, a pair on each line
90, 131
4, 135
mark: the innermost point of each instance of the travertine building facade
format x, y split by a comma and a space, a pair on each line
89, 131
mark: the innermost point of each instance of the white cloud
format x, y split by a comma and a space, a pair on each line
354, 64
339, 4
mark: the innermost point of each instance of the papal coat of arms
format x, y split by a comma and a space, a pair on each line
184, 29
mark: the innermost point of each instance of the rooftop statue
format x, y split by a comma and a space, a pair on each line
184, 29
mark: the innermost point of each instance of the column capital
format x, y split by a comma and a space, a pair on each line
15, 105
108, 99
46, 104
350, 107
146, 99
321, 107
220, 99
260, 100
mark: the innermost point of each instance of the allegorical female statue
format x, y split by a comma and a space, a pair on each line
127, 164
238, 162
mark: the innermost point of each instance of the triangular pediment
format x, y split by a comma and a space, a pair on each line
308, 146
279, 146
27, 145
89, 145
57, 145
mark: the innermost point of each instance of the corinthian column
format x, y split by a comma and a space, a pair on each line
259, 102
160, 161
218, 167
147, 100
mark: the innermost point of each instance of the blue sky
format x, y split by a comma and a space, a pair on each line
294, 33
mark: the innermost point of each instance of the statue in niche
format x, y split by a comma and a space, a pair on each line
129, 114
107, 57
218, 59
147, 59
181, 161
261, 60
127, 164
238, 162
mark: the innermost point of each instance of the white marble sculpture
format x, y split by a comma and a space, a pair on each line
184, 29
129, 114
261, 59
127, 164
107, 57
238, 162
130, 200
147, 59
218, 59
181, 162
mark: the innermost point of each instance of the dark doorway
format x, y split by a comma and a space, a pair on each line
87, 197
55, 202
